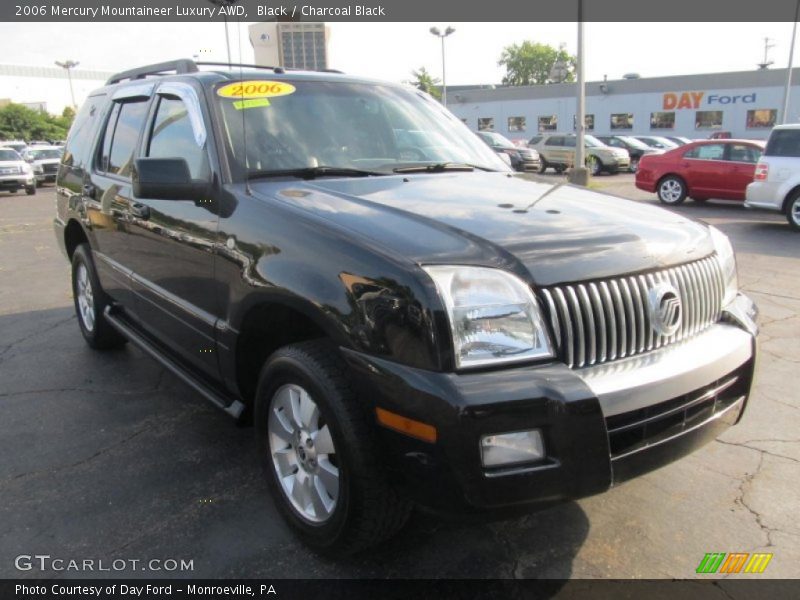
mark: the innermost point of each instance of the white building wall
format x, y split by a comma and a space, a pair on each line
641, 105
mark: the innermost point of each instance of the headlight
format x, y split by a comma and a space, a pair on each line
494, 316
727, 260
25, 168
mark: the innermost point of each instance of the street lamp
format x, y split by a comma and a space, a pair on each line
435, 31
68, 65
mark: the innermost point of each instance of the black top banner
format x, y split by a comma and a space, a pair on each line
402, 10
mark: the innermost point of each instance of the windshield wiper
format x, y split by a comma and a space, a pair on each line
313, 172
440, 167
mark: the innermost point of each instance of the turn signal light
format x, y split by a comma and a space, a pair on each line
762, 171
417, 429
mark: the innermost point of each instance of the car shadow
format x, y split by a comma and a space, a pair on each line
107, 455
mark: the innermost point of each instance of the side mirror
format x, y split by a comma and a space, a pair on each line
167, 179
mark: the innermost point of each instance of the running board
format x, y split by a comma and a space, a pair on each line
233, 407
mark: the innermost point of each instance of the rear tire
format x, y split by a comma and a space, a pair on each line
90, 302
634, 166
334, 492
594, 165
672, 190
793, 211
542, 166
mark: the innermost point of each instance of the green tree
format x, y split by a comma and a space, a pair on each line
426, 82
20, 122
531, 63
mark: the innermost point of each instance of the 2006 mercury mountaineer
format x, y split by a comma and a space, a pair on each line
403, 324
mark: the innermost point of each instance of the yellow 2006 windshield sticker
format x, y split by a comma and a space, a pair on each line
255, 89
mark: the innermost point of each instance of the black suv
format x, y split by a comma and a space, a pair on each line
399, 330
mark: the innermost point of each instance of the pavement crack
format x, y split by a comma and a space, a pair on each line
34, 334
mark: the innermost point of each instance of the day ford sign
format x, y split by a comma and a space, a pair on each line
674, 100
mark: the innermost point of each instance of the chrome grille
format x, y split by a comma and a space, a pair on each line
601, 321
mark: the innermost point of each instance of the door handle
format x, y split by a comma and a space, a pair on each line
89, 190
141, 211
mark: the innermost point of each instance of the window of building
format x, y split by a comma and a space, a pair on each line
120, 137
485, 123
662, 120
588, 122
548, 123
762, 118
622, 121
516, 124
173, 137
706, 152
708, 119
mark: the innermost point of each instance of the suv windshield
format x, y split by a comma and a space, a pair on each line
592, 142
7, 155
343, 125
44, 153
634, 143
496, 140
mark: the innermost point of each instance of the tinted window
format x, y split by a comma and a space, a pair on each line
743, 153
568, 141
8, 155
130, 117
535, 140
172, 136
706, 152
784, 142
81, 134
555, 141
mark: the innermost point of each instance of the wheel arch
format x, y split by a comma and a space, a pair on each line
788, 197
74, 235
269, 324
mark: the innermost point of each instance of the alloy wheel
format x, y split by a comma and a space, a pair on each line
303, 454
671, 191
85, 297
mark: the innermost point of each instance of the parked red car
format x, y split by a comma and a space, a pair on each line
700, 170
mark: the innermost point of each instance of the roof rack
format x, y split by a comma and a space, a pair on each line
183, 65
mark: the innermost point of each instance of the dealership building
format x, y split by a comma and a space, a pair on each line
746, 103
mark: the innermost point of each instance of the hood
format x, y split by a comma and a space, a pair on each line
47, 161
557, 234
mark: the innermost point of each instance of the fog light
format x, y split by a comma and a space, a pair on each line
511, 448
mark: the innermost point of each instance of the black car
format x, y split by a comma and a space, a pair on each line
522, 159
635, 148
399, 330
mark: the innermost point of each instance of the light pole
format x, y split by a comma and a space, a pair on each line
785, 115
68, 65
580, 174
435, 31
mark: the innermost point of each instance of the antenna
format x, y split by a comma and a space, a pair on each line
764, 65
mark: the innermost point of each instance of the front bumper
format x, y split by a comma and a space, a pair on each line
12, 182
601, 425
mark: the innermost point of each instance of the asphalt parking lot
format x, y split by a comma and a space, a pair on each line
107, 456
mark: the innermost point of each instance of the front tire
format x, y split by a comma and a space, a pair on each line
672, 190
31, 190
90, 302
634, 166
316, 441
542, 166
793, 211
594, 165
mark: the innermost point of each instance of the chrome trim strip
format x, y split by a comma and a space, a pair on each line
737, 405
646, 379
663, 415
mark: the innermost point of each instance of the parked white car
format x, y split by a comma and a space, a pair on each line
15, 173
45, 161
776, 184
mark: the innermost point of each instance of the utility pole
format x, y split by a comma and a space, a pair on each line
787, 89
435, 31
68, 65
579, 175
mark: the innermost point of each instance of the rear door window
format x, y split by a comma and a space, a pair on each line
784, 142
121, 135
706, 152
742, 153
